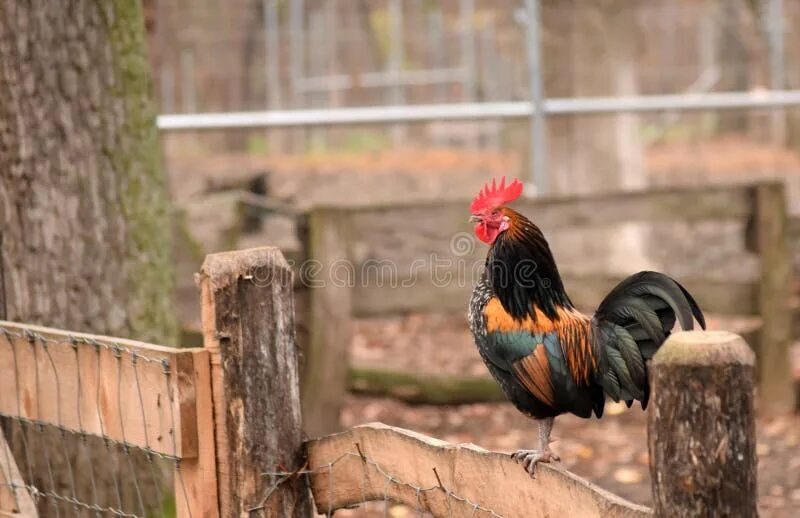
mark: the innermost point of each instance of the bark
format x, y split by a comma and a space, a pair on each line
83, 203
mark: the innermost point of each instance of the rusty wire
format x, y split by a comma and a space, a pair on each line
284, 476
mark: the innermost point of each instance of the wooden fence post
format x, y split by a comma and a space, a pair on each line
332, 277
776, 394
701, 426
248, 328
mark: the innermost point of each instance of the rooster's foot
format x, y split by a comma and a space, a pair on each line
530, 458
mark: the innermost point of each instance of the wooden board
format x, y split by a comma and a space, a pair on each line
469, 476
116, 389
423, 256
414, 239
716, 202
195, 483
586, 291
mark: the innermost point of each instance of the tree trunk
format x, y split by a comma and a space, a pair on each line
83, 202
605, 152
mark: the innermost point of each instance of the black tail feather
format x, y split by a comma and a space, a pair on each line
641, 309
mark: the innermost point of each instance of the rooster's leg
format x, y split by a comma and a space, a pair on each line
530, 458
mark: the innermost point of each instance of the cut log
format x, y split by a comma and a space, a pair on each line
701, 426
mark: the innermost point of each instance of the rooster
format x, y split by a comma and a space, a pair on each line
548, 357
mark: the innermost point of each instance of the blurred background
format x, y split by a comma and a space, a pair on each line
658, 135
269, 108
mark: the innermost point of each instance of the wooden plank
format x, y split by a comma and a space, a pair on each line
425, 242
109, 387
469, 476
586, 291
776, 394
434, 265
14, 501
248, 329
324, 382
701, 426
687, 204
195, 483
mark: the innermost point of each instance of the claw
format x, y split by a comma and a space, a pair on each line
530, 458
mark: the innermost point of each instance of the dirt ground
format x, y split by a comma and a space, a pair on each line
611, 452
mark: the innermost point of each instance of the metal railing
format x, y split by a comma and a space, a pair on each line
760, 99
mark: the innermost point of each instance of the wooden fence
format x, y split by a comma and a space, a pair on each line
132, 394
228, 415
385, 260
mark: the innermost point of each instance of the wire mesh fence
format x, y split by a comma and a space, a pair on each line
366, 502
91, 425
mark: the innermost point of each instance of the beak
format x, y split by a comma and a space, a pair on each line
475, 219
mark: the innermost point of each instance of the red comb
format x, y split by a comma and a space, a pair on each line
494, 195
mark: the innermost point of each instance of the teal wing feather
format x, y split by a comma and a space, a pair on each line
537, 362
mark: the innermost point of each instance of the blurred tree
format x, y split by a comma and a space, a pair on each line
84, 210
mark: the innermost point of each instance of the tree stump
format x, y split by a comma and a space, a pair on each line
701, 426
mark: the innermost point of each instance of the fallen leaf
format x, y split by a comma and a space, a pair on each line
628, 476
585, 452
615, 408
776, 490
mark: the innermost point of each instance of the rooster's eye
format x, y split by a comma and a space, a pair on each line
495, 213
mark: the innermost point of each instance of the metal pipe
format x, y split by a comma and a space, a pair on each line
296, 49
436, 42
188, 93
467, 21
271, 54
471, 111
538, 134
776, 47
167, 81
396, 59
